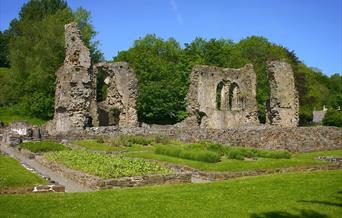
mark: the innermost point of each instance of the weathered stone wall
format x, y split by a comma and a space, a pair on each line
318, 116
283, 107
222, 98
298, 139
74, 85
121, 96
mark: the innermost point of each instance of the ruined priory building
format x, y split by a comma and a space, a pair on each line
221, 98
76, 106
218, 98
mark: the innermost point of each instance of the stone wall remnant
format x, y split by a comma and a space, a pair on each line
283, 106
74, 85
318, 116
119, 106
222, 98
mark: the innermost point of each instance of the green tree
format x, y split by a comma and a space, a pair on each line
162, 78
4, 59
36, 47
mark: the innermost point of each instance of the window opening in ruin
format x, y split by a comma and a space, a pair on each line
115, 112
199, 116
222, 95
101, 86
234, 95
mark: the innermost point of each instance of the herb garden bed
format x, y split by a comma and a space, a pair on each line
103, 171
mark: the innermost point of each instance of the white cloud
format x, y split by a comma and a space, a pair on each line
175, 10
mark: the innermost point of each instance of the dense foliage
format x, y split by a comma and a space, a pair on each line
333, 118
35, 46
163, 69
105, 166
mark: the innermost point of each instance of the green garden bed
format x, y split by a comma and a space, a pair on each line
105, 166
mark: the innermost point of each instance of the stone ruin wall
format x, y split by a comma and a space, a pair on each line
74, 85
218, 98
237, 97
283, 107
122, 94
75, 99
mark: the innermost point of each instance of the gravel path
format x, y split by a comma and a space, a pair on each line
70, 186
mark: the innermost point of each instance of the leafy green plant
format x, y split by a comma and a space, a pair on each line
105, 166
43, 146
333, 118
241, 153
188, 153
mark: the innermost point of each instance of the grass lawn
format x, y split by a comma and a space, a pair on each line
94, 145
43, 146
292, 195
299, 159
13, 175
8, 116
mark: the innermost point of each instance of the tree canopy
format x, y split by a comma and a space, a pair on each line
35, 43
33, 48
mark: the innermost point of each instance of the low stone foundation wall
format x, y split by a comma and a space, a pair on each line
95, 182
79, 177
35, 189
146, 180
297, 139
330, 159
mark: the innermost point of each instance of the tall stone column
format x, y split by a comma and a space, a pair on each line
283, 107
74, 85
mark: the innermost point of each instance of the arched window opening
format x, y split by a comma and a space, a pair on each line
234, 98
222, 95
101, 86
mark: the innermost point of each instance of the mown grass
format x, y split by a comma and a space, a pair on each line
42, 146
99, 146
13, 175
297, 195
10, 115
105, 166
297, 160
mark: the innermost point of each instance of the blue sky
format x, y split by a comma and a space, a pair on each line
312, 28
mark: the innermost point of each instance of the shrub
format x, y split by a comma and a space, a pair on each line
161, 139
129, 140
240, 153
43, 146
99, 139
190, 154
333, 118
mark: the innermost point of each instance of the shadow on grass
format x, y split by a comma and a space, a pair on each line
280, 214
327, 202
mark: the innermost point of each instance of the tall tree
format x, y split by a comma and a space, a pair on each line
36, 49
